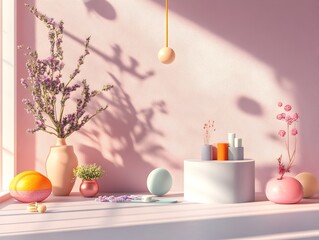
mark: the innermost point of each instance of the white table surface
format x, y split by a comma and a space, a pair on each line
75, 217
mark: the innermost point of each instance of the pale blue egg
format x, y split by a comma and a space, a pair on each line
159, 181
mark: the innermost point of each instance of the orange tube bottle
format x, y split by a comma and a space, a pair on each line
222, 151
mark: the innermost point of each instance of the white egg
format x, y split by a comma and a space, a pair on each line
159, 181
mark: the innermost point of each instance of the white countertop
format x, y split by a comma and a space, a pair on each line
75, 217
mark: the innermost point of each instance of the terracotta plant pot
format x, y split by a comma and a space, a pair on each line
89, 188
287, 190
59, 167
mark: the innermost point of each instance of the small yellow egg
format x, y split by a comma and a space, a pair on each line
166, 55
42, 208
309, 183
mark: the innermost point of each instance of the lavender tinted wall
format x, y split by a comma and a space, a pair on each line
235, 60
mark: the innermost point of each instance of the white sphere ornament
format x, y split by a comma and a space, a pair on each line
166, 55
309, 183
159, 181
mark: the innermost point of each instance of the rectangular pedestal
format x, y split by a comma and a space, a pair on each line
219, 181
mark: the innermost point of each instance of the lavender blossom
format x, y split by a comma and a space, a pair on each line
118, 199
48, 90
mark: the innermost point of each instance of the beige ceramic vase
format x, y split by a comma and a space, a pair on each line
60, 164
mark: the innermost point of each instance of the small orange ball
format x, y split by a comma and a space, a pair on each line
166, 55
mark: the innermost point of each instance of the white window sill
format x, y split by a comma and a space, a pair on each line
75, 217
4, 196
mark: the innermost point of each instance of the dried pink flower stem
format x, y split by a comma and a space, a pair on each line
282, 169
208, 130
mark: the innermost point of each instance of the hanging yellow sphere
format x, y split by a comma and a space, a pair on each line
166, 55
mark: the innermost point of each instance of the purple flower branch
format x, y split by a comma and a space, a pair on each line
45, 83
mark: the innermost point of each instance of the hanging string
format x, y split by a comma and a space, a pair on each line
166, 23
166, 54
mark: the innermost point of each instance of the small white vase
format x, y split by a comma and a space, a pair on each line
207, 152
59, 166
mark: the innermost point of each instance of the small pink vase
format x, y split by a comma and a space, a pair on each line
89, 188
287, 190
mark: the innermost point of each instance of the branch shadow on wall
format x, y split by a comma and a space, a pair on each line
131, 132
117, 59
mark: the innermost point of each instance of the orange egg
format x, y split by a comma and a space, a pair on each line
30, 186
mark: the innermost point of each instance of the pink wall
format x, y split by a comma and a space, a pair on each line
0, 65
235, 60
25, 142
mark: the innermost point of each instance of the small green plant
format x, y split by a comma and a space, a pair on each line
88, 172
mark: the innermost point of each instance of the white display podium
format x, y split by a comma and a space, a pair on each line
219, 181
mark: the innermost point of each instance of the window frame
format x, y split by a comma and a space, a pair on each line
8, 108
